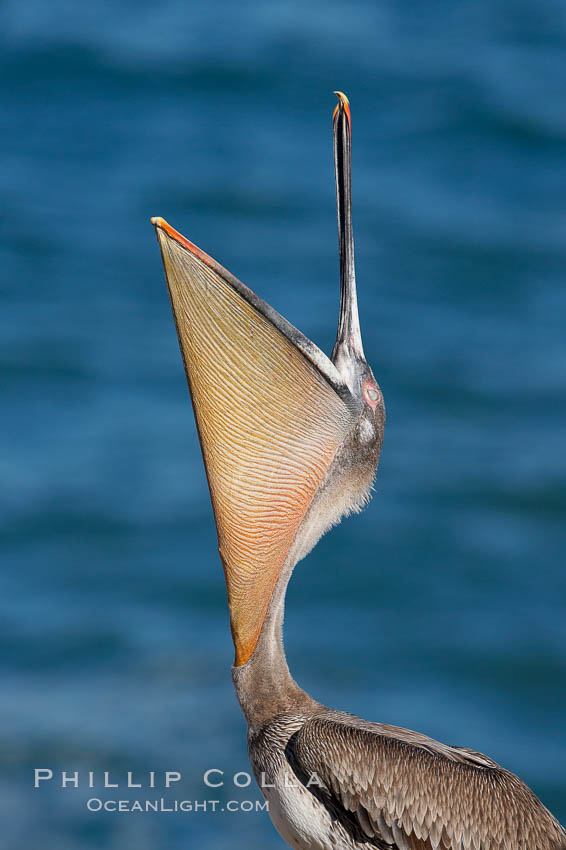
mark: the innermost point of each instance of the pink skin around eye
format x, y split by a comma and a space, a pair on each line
371, 394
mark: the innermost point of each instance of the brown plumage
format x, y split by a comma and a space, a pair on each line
404, 788
291, 442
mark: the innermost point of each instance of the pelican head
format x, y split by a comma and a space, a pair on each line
290, 438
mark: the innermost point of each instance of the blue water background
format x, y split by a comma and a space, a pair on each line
443, 606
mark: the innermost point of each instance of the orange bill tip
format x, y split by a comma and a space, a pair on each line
160, 224
343, 103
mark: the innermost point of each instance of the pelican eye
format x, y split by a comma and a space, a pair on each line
372, 393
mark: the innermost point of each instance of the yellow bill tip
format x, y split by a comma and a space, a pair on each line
342, 98
343, 104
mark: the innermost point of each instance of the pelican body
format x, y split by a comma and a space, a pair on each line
291, 442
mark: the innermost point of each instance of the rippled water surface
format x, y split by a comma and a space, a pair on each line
443, 606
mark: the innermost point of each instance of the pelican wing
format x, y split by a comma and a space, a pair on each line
400, 790
271, 410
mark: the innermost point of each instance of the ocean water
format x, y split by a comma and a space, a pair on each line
442, 607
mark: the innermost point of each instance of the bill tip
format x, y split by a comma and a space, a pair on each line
342, 98
343, 105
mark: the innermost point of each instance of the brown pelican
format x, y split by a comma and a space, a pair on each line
291, 442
